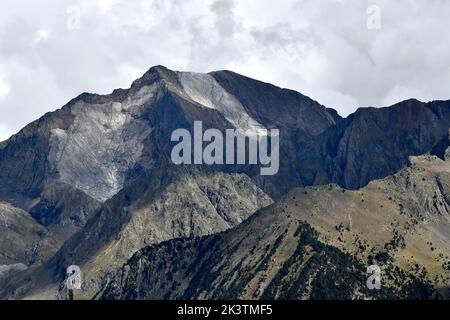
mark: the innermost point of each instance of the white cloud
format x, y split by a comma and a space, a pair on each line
41, 35
4, 88
400, 93
105, 5
4, 133
320, 48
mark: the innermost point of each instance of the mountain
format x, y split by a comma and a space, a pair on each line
315, 243
97, 174
109, 156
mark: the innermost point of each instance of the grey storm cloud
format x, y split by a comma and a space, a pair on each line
51, 51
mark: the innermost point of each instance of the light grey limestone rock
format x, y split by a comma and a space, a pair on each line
103, 144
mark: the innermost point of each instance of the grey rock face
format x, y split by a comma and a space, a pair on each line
369, 144
7, 270
22, 240
191, 205
102, 145
206, 91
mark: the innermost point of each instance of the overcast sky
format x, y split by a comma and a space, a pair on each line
344, 54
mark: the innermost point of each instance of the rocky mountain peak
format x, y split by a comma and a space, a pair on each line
156, 74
